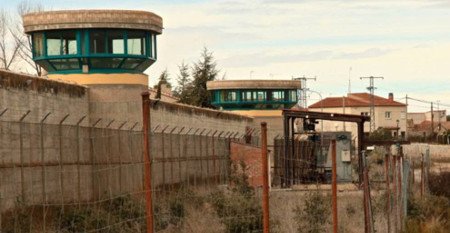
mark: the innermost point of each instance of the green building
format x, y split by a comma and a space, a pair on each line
254, 94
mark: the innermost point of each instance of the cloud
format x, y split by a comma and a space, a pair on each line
368, 53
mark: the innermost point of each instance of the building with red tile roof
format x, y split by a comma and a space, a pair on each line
389, 114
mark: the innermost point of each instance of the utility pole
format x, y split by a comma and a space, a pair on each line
343, 111
439, 116
372, 88
432, 120
349, 81
406, 117
303, 91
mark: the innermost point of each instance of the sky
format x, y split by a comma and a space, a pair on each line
406, 42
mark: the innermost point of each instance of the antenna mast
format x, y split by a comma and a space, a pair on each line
302, 100
372, 88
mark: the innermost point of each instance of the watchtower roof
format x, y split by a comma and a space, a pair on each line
76, 19
253, 84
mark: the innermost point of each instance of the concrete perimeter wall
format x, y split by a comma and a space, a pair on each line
53, 164
436, 151
50, 163
20, 93
173, 114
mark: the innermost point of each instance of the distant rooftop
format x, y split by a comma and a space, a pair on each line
356, 100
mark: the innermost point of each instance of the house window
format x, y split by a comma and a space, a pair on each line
387, 115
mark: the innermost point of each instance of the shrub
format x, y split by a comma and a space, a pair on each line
313, 216
238, 208
439, 184
428, 214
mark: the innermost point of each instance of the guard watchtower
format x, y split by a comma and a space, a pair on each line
94, 46
106, 50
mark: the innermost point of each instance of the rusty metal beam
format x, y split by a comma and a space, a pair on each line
325, 116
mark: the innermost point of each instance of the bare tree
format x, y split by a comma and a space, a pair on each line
15, 45
9, 48
26, 52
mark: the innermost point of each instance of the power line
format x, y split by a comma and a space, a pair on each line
372, 88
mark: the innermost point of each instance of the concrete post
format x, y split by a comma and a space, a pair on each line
147, 163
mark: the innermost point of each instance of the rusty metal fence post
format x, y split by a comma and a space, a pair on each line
368, 217
334, 185
147, 164
265, 167
388, 193
422, 176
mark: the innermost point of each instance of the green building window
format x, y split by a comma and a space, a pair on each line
136, 43
38, 44
260, 95
246, 96
293, 95
278, 95
230, 96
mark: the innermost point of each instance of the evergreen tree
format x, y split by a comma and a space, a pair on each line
163, 80
204, 70
184, 84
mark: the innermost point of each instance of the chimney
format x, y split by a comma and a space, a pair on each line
391, 96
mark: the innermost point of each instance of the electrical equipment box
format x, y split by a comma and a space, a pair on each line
345, 156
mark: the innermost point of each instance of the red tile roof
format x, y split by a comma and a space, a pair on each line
355, 100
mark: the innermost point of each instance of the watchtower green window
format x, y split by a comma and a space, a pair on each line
38, 44
97, 41
66, 64
136, 42
61, 43
116, 43
101, 49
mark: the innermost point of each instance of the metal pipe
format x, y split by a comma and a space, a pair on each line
265, 167
388, 193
